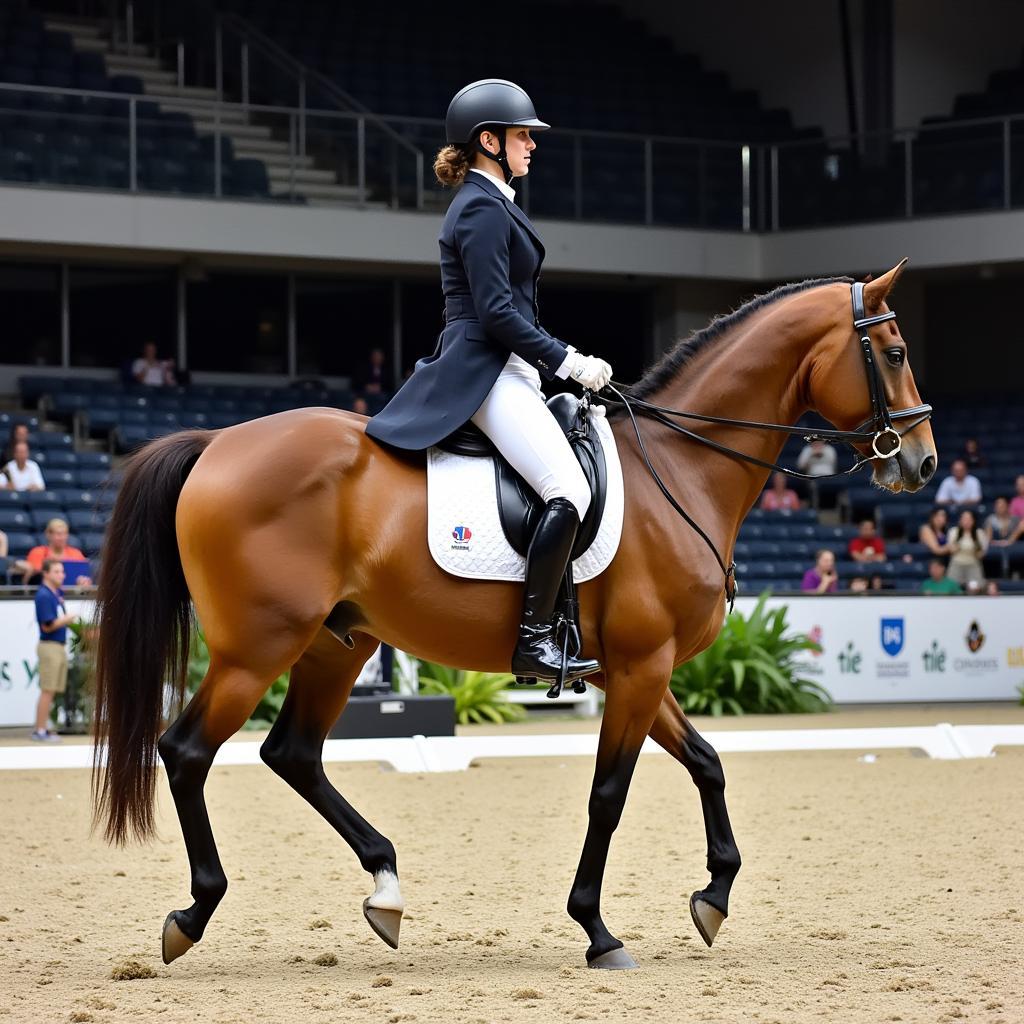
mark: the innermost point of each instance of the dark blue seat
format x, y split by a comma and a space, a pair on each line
53, 439
12, 518
19, 544
42, 514
92, 542
91, 479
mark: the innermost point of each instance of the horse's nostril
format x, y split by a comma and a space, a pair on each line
927, 468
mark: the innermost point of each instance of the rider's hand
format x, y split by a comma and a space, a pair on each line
589, 371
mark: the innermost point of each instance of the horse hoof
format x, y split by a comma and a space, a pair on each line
175, 942
613, 960
386, 923
707, 919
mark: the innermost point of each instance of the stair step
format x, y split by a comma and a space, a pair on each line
236, 131
79, 28
230, 118
341, 193
154, 81
303, 176
266, 149
274, 161
133, 64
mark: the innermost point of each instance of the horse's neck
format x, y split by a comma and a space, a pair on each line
756, 373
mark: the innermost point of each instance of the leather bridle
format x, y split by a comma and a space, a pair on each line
877, 430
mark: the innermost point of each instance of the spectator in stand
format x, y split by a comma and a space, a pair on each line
779, 497
933, 533
973, 455
372, 377
817, 459
361, 406
3, 545
877, 583
1017, 504
53, 620
822, 579
23, 473
19, 432
57, 549
867, 546
938, 582
1001, 528
154, 372
992, 588
960, 487
859, 585
968, 545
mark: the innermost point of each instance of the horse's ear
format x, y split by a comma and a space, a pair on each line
875, 291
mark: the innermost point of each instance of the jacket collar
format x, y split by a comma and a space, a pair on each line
480, 180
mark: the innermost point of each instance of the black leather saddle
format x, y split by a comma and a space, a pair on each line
519, 507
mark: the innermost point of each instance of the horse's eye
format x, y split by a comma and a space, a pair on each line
895, 356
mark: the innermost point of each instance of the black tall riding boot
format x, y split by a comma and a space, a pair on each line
537, 653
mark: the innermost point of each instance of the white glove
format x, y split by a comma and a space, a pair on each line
589, 371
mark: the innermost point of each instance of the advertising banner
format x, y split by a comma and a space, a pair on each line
19, 666
911, 648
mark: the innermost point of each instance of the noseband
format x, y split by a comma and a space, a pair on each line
877, 430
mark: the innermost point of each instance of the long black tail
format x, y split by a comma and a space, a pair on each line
145, 619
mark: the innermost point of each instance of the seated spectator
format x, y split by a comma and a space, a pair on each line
938, 582
992, 589
972, 454
1017, 504
932, 533
55, 549
150, 370
968, 545
822, 579
19, 432
779, 497
959, 488
877, 582
3, 545
859, 585
867, 546
23, 473
361, 406
372, 377
1001, 528
817, 459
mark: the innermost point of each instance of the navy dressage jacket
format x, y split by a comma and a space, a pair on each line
491, 257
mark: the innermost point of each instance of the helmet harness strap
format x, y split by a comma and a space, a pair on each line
501, 158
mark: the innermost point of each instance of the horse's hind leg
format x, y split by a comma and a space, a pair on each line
225, 700
710, 906
320, 684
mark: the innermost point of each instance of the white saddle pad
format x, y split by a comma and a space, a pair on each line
463, 529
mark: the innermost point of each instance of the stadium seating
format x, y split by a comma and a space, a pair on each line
64, 139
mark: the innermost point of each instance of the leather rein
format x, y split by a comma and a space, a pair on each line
877, 430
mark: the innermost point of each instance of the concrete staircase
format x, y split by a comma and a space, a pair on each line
251, 140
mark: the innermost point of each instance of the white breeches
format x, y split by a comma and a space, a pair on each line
515, 418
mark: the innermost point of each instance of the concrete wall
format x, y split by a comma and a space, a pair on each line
941, 48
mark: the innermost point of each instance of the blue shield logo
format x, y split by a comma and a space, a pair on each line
892, 636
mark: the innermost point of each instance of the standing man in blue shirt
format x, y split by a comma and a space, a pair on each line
53, 621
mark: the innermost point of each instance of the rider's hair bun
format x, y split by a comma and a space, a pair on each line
451, 165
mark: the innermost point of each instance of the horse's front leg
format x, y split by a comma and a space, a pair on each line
671, 729
634, 691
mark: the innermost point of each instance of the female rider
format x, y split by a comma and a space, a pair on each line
492, 351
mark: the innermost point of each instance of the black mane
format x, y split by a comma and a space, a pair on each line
683, 351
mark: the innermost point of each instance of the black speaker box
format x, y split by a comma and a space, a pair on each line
395, 714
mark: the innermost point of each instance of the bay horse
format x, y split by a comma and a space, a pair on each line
339, 525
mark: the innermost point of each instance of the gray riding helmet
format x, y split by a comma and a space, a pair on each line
491, 101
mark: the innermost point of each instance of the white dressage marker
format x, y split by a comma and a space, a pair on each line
982, 740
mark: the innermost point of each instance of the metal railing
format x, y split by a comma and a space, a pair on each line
953, 167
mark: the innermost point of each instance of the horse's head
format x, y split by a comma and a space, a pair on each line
840, 389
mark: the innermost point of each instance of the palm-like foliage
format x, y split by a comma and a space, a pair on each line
479, 696
751, 667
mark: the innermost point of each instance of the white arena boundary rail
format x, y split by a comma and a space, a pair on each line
428, 754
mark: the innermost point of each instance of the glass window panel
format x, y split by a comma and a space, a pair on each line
30, 299
238, 322
338, 322
114, 311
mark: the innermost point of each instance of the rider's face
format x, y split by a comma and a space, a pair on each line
518, 147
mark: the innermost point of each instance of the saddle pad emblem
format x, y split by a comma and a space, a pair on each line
464, 530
